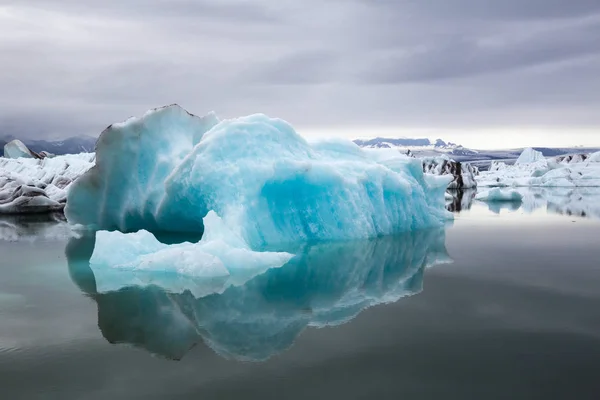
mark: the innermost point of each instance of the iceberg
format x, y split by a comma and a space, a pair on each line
219, 260
324, 284
17, 149
168, 169
497, 195
564, 171
530, 156
30, 185
463, 173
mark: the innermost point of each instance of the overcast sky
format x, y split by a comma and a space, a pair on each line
486, 73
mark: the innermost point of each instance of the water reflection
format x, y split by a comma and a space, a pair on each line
580, 202
323, 285
32, 227
461, 199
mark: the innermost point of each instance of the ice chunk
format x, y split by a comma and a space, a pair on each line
497, 195
168, 169
529, 156
221, 258
325, 284
17, 149
34, 186
463, 173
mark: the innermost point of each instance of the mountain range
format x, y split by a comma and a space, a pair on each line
420, 147
72, 145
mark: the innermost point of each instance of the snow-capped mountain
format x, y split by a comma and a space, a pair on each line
420, 147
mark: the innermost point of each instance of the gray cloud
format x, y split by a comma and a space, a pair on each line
71, 67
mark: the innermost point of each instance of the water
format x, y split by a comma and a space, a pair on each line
513, 316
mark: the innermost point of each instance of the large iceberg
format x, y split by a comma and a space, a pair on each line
30, 185
324, 284
167, 170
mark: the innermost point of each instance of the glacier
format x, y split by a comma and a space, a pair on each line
29, 185
324, 284
166, 170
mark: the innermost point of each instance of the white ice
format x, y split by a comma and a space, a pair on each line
30, 185
221, 259
573, 171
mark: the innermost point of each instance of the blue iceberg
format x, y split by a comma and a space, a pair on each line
168, 169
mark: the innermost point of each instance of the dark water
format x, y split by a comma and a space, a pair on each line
514, 316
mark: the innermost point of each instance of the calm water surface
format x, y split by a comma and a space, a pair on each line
515, 315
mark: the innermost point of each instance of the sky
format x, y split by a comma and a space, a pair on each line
483, 73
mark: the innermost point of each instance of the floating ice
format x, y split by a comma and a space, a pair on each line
578, 170
463, 173
35, 186
219, 260
530, 156
324, 284
17, 149
497, 195
166, 170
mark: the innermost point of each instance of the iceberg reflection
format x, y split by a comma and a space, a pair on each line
322, 285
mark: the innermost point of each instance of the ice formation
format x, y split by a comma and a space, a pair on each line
563, 171
324, 284
463, 173
35, 186
167, 170
530, 156
219, 260
497, 194
17, 149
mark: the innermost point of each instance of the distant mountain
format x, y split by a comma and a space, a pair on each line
426, 148
72, 145
419, 147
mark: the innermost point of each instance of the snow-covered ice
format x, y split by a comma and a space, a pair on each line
563, 171
497, 195
30, 185
167, 170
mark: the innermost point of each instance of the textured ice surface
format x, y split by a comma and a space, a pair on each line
16, 149
219, 260
497, 194
324, 284
167, 170
34, 186
529, 156
133, 159
565, 171
463, 173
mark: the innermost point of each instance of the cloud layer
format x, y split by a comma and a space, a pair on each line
71, 67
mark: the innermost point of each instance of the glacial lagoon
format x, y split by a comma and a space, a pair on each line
501, 303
